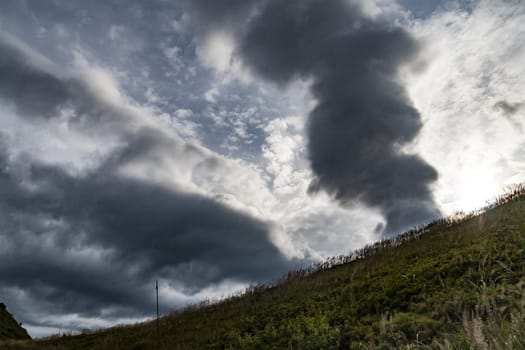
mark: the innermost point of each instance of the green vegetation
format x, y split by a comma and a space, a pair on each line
9, 328
458, 283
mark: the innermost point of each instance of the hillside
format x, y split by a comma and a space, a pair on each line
458, 283
9, 328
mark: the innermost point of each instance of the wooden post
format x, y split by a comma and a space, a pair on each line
158, 324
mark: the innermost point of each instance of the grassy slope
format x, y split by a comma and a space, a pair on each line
451, 286
9, 328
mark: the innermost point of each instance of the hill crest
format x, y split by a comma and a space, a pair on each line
9, 327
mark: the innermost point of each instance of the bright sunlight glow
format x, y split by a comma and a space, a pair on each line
475, 192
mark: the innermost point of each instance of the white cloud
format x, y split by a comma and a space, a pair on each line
183, 113
102, 84
54, 142
474, 60
211, 95
216, 50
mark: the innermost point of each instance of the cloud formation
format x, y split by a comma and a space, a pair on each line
34, 92
363, 115
471, 98
178, 111
90, 240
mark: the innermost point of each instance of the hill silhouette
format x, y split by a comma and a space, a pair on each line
9, 327
456, 283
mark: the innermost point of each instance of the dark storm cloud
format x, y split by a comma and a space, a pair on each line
143, 225
363, 115
37, 93
86, 242
223, 12
33, 91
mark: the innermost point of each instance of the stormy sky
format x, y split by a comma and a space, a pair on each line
216, 144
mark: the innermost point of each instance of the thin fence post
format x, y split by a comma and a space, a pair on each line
158, 324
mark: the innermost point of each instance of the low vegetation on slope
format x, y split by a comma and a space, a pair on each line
458, 283
9, 328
